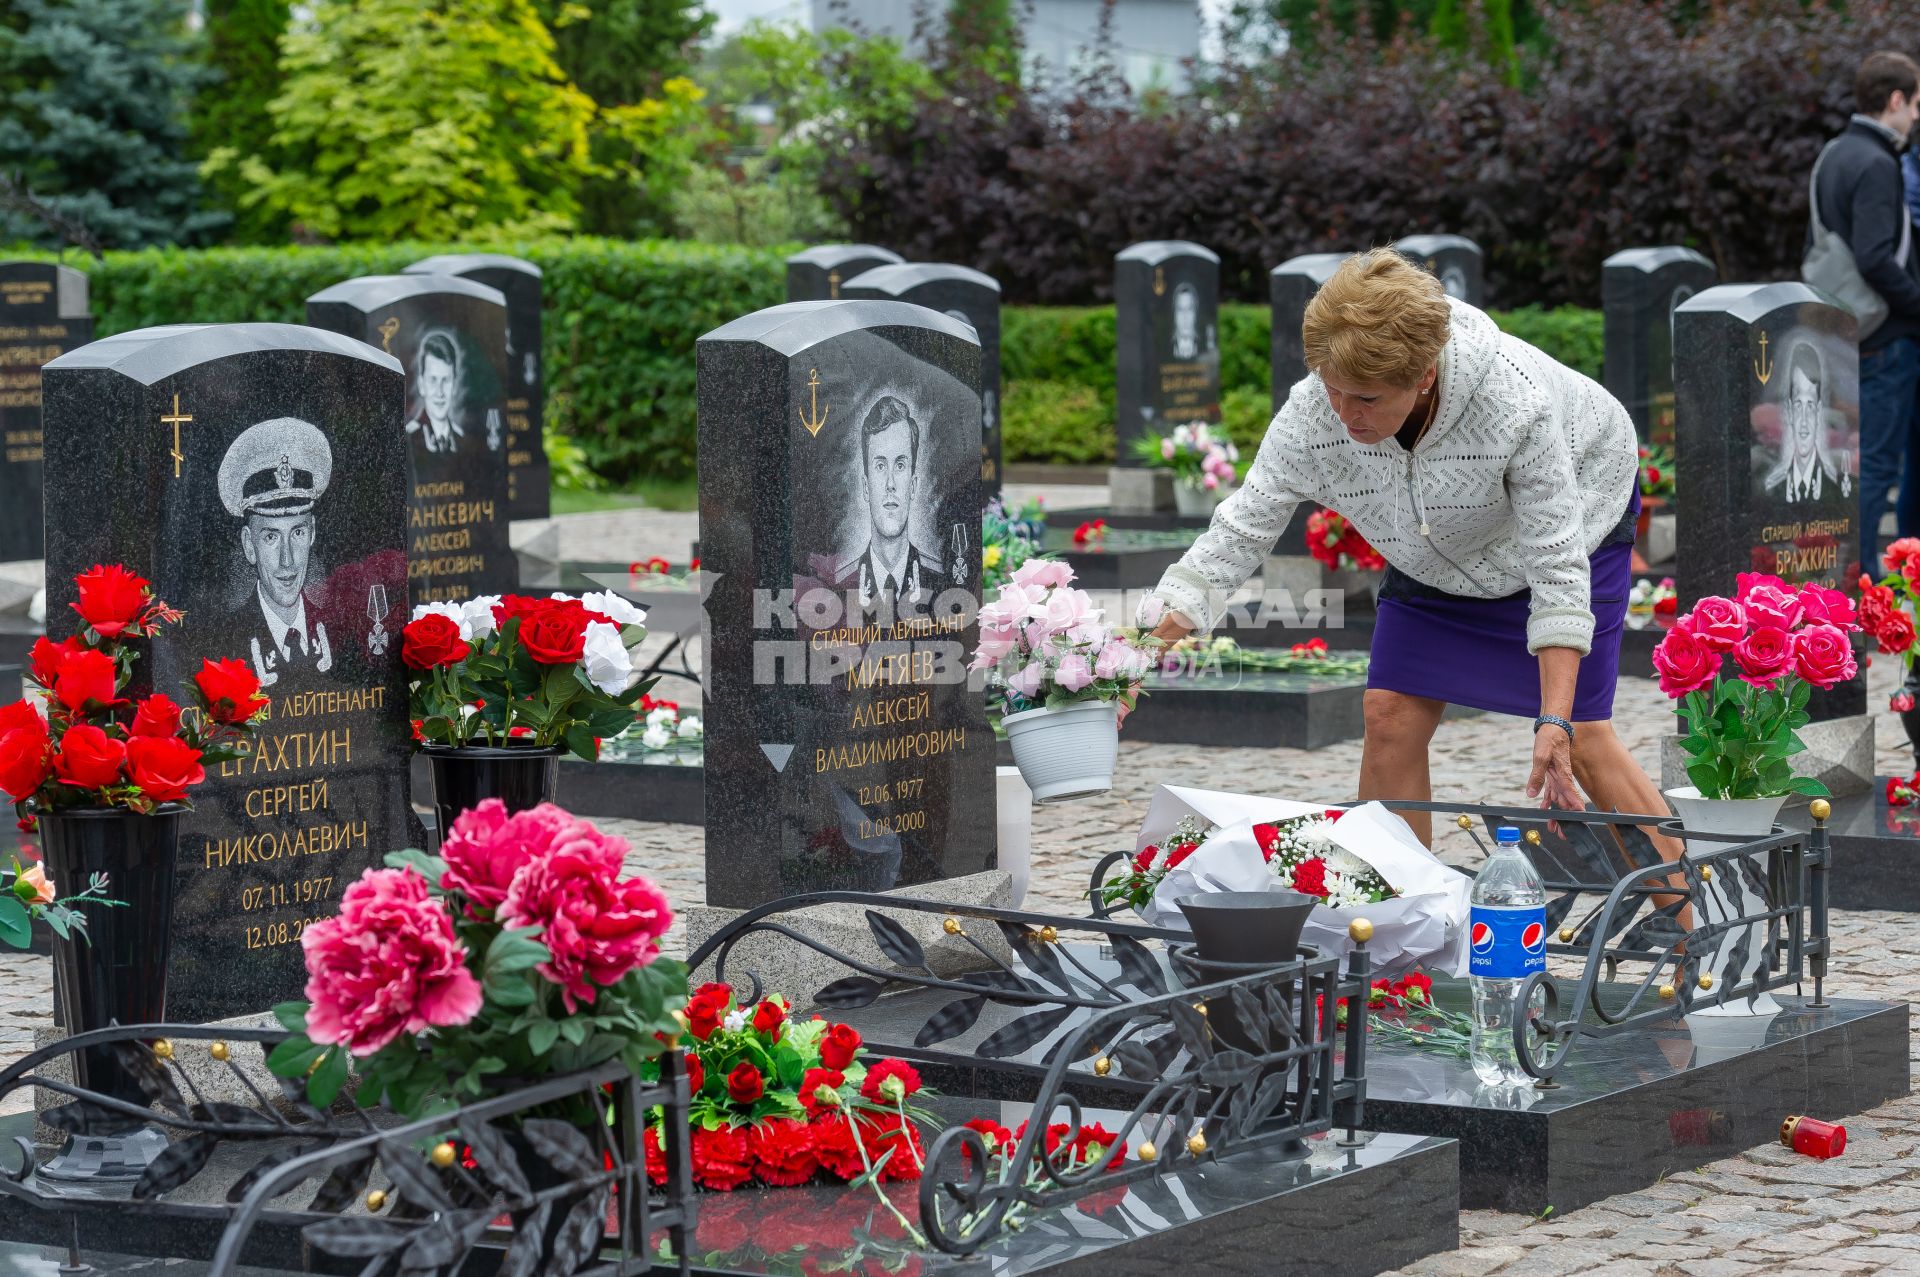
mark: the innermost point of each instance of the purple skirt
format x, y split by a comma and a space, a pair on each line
1474, 651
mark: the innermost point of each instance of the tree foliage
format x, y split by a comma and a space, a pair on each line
434, 119
93, 119
243, 57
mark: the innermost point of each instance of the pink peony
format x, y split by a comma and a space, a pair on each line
1823, 656
1684, 663
597, 926
1716, 622
1764, 655
1043, 573
1827, 607
388, 964
486, 847
1768, 602
1073, 673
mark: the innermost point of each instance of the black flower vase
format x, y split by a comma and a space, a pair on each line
116, 971
1236, 930
522, 777
1910, 718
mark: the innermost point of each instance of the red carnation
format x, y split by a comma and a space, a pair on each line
745, 1084
1267, 839
839, 1045
232, 691
722, 1159
768, 1017
656, 1155
433, 640
834, 1146
995, 1136
816, 1099
1178, 856
111, 598
890, 1134
782, 1152
1415, 986
1144, 861
1055, 1133
1310, 877
890, 1082
156, 716
89, 758
1092, 1143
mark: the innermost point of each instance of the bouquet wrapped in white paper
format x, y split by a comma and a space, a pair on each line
1364, 862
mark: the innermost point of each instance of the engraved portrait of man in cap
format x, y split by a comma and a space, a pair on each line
273, 474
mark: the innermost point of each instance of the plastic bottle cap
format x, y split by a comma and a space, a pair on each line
1506, 833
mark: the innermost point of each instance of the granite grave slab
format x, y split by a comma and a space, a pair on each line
43, 315
529, 480
1640, 288
1456, 259
1290, 286
816, 274
1876, 849
450, 336
255, 474
1768, 428
960, 293
840, 511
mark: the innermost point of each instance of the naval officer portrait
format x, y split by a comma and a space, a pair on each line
270, 479
889, 461
436, 379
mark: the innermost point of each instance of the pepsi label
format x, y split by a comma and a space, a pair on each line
1508, 942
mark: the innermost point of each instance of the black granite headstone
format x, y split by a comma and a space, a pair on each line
816, 274
528, 478
43, 314
1290, 286
1767, 420
840, 509
1456, 259
1166, 296
450, 336
1639, 290
255, 473
970, 297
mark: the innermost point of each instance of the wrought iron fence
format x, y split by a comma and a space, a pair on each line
568, 1193
1211, 1059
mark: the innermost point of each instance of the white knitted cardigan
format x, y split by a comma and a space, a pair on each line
1526, 469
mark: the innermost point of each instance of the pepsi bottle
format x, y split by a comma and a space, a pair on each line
1508, 935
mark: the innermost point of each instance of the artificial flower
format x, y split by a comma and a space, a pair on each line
164, 767
433, 640
111, 598
231, 689
89, 758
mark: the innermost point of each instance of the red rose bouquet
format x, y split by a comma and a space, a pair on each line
79, 741
521, 950
1338, 544
1783, 643
552, 671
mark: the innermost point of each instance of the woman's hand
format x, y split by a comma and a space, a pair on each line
1552, 777
1173, 627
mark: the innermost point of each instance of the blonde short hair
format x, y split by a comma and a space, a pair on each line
1379, 321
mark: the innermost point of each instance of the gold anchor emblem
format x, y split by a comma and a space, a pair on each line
388, 327
1763, 366
833, 284
819, 417
176, 419
1159, 281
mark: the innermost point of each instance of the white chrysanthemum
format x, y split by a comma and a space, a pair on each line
614, 608
690, 727
605, 657
452, 611
478, 614
1345, 863
735, 1020
656, 738
662, 717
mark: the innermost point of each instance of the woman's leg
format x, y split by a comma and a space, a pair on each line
1393, 758
1610, 776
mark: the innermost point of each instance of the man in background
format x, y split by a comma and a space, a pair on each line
1861, 197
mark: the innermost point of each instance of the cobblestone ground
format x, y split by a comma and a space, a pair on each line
1765, 1211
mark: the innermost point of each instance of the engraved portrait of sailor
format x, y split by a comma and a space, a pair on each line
436, 382
1805, 464
1186, 322
272, 476
890, 469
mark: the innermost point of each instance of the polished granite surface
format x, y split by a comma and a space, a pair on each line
1875, 850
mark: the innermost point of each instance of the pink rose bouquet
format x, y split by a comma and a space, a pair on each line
521, 950
1046, 644
1743, 721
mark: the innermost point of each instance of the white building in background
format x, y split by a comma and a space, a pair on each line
1152, 39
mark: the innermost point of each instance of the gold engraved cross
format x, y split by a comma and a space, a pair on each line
1763, 366
176, 419
819, 417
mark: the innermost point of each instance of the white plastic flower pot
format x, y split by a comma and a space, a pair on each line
1195, 500
1731, 895
1066, 753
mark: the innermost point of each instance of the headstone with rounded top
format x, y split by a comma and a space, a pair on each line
450, 336
1290, 286
529, 479
1640, 289
43, 315
1457, 261
1166, 297
840, 502
816, 274
255, 474
961, 293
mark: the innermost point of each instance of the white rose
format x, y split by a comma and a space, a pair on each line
614, 608
452, 611
478, 614
656, 738
605, 657
690, 727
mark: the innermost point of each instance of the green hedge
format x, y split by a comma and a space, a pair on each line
621, 320
1058, 361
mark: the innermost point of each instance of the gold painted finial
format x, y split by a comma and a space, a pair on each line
1147, 1151
1820, 808
1049, 935
442, 1154
1667, 992
1197, 1143
1566, 935
1360, 930
951, 926
1533, 837
1706, 979
1102, 1066
1706, 873
219, 1051
376, 1199
1464, 821
162, 1049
